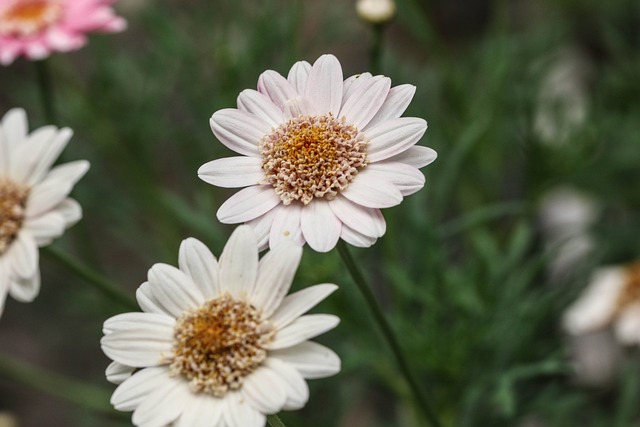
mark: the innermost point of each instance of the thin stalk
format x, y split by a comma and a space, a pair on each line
275, 421
46, 91
390, 337
92, 277
375, 54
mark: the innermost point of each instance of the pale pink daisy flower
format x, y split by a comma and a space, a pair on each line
320, 156
37, 28
34, 207
220, 344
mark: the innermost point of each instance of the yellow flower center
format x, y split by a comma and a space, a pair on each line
312, 156
219, 344
13, 199
28, 17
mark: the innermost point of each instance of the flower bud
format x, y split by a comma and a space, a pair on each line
376, 11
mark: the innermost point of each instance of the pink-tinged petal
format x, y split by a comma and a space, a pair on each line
299, 106
398, 99
311, 359
201, 410
139, 339
416, 156
247, 204
164, 404
239, 263
407, 179
239, 413
264, 390
298, 303
365, 102
130, 394
197, 261
261, 227
64, 41
324, 87
260, 105
302, 329
356, 239
294, 385
276, 87
23, 254
36, 50
353, 83
371, 191
46, 227
275, 275
232, 172
367, 221
393, 137
117, 373
8, 52
286, 226
25, 289
173, 289
320, 227
239, 131
299, 75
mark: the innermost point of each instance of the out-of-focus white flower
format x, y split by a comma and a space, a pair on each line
612, 298
8, 420
220, 344
376, 11
320, 155
34, 207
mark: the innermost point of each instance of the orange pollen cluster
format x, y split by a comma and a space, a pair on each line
28, 17
13, 199
219, 344
631, 291
312, 156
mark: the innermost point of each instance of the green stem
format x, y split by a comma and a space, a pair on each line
88, 396
93, 278
376, 48
275, 421
387, 332
46, 91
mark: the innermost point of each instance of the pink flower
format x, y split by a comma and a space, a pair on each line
36, 28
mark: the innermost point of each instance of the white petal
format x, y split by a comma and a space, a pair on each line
406, 178
299, 75
261, 227
264, 390
627, 328
32, 152
239, 263
398, 99
365, 102
276, 87
135, 389
324, 87
416, 156
232, 172
23, 254
70, 210
173, 289
247, 204
295, 386
116, 372
163, 405
238, 130
275, 275
320, 227
354, 238
367, 221
197, 261
260, 105
25, 289
299, 106
393, 137
148, 301
311, 359
55, 187
139, 339
201, 410
238, 412
298, 303
45, 228
352, 84
286, 226
14, 127
48, 153
302, 329
372, 191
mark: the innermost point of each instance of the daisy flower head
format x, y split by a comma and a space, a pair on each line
36, 28
34, 207
320, 155
219, 343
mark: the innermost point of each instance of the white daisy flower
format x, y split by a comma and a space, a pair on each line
320, 156
34, 207
612, 299
219, 343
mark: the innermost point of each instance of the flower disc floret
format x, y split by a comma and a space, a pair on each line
219, 344
27, 17
312, 156
13, 198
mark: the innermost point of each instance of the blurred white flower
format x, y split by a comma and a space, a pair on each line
34, 207
8, 420
320, 156
218, 343
376, 11
612, 299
